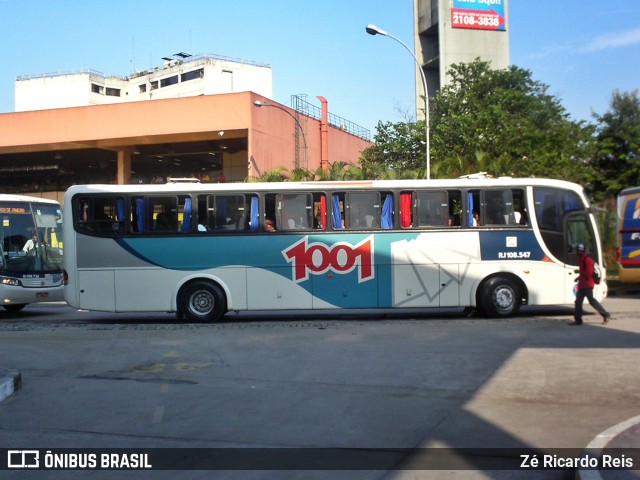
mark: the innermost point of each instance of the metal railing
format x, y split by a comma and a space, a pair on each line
83, 71
179, 61
299, 104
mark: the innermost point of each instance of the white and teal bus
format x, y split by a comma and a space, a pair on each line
201, 250
32, 248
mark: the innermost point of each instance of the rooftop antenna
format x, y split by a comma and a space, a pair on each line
133, 54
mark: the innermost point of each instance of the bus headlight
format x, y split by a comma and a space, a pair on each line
10, 281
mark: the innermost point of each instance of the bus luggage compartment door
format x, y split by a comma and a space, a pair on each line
97, 291
332, 289
273, 289
426, 285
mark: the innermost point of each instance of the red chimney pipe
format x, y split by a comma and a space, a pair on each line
324, 134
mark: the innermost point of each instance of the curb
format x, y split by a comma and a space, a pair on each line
10, 382
600, 442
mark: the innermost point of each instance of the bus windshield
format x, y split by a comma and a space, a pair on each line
31, 237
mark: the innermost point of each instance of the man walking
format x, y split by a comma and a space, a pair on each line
585, 289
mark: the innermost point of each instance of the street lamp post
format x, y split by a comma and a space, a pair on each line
258, 103
373, 30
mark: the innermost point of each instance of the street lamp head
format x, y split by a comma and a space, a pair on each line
258, 103
373, 30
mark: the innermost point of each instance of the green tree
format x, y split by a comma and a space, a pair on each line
504, 122
398, 146
617, 158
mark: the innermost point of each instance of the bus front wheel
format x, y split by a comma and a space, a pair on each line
499, 297
202, 301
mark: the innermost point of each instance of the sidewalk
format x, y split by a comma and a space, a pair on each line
625, 435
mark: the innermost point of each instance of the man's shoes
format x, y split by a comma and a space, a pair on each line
574, 324
605, 320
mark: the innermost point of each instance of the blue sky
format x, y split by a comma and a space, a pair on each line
583, 50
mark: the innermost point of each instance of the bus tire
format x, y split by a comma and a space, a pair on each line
499, 297
14, 307
202, 301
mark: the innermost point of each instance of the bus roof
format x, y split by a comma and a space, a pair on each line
323, 185
630, 190
5, 197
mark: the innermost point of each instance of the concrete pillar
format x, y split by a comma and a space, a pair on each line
123, 175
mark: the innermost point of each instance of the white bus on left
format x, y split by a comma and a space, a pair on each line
31, 249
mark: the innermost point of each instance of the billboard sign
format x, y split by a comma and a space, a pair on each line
479, 14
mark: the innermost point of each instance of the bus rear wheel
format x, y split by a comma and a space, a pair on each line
202, 301
499, 297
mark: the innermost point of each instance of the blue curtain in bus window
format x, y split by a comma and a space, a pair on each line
140, 214
539, 196
552, 205
120, 209
186, 217
571, 202
337, 218
470, 209
221, 212
387, 212
254, 219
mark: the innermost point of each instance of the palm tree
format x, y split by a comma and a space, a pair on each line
335, 171
301, 175
279, 174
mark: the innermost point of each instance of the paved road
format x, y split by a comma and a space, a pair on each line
366, 381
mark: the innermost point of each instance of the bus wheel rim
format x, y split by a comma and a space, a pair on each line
503, 298
202, 302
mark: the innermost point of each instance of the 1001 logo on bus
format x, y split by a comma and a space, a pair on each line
341, 258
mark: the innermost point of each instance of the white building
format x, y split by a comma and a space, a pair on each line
183, 75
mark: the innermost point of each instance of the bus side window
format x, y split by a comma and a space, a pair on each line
164, 214
294, 211
520, 216
455, 208
104, 215
362, 210
432, 208
498, 207
203, 214
270, 216
227, 212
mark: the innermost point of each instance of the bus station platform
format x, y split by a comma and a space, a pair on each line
621, 437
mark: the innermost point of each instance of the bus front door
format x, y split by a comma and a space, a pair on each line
578, 230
